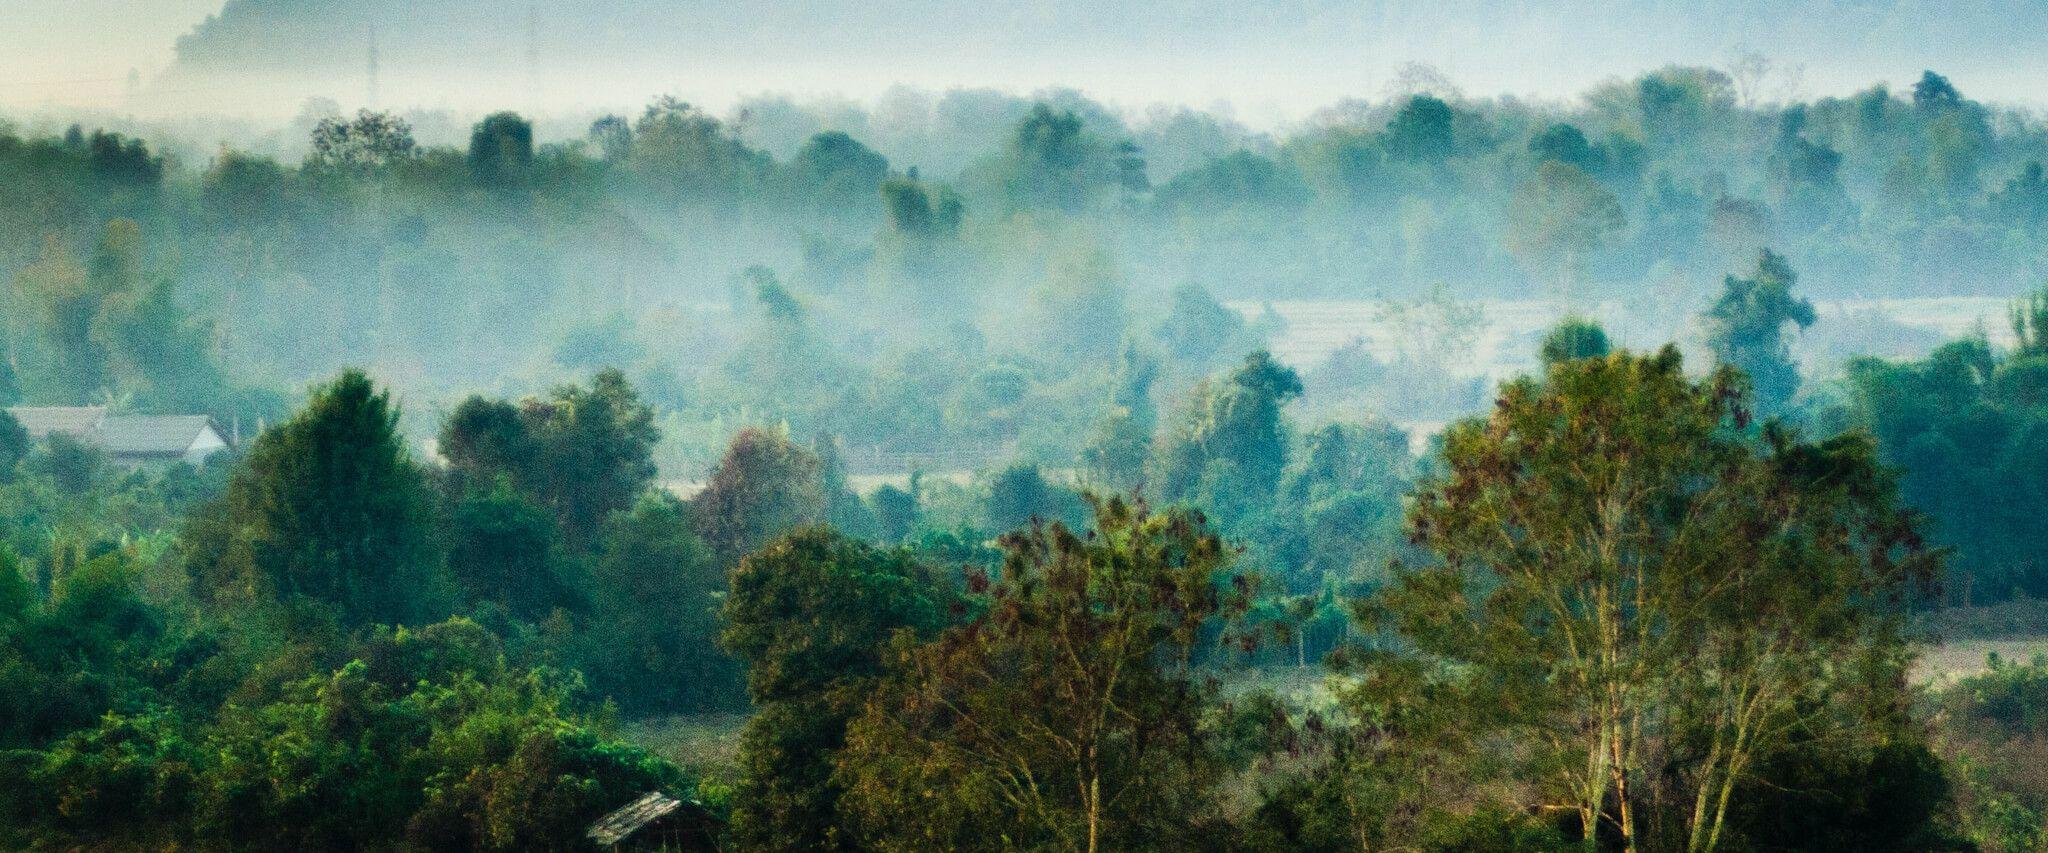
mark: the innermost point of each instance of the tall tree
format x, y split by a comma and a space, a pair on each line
811, 615
14, 445
1063, 716
501, 150
1746, 330
1623, 569
652, 641
1116, 454
583, 453
597, 449
1572, 339
1422, 131
1228, 448
327, 506
766, 485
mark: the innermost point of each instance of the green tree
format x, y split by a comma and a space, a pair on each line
14, 445
66, 362
1421, 132
1934, 92
10, 379
582, 453
503, 549
1064, 715
1746, 330
1566, 144
370, 141
1572, 339
810, 615
327, 506
1622, 569
1019, 496
596, 449
1228, 449
501, 150
653, 632
833, 174
766, 485
1115, 455
897, 513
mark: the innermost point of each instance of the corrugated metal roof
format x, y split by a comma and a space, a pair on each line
620, 825
118, 435
151, 435
76, 421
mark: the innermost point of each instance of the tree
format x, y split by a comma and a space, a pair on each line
896, 512
834, 175
1051, 161
14, 445
652, 640
327, 506
613, 136
1566, 144
162, 356
920, 212
843, 508
1746, 330
1967, 427
501, 150
596, 450
1116, 454
582, 453
10, 381
1335, 521
502, 549
1557, 219
1422, 132
810, 615
766, 485
2024, 201
1055, 164
1063, 715
1933, 92
1623, 571
1572, 339
67, 362
1228, 448
1240, 181
1019, 496
1198, 329
486, 440
372, 140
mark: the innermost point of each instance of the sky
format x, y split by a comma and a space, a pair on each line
79, 53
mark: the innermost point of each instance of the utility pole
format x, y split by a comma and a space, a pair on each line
370, 72
532, 58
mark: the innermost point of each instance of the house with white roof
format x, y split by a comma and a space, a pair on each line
131, 440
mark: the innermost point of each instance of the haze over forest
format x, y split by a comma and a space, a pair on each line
1615, 426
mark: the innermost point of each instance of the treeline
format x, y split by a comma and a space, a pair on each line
1001, 229
1632, 613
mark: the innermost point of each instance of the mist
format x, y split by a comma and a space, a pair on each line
1271, 62
1292, 425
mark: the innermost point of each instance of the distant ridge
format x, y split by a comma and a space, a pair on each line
1305, 48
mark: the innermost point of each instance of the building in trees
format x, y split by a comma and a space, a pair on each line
129, 440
